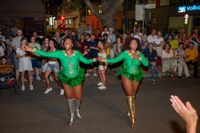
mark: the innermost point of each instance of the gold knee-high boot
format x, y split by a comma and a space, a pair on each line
131, 106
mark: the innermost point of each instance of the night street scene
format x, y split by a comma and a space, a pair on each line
99, 66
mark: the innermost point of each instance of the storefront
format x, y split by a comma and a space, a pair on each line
188, 17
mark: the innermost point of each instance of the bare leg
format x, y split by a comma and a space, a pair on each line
37, 72
100, 76
68, 91
30, 77
130, 88
59, 83
46, 76
103, 73
17, 74
22, 81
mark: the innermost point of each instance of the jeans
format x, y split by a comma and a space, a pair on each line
153, 70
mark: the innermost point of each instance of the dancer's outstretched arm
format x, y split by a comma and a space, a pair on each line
186, 112
85, 60
55, 54
116, 59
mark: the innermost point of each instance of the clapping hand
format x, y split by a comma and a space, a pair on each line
185, 111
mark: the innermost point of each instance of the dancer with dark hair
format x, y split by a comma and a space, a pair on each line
53, 66
131, 73
71, 75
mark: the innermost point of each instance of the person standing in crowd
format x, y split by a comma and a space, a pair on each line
37, 38
181, 64
105, 31
36, 63
53, 66
118, 46
75, 38
66, 34
144, 47
58, 40
24, 64
111, 40
168, 61
15, 44
81, 45
102, 66
131, 73
191, 57
92, 53
151, 55
44, 47
158, 47
71, 75
80, 31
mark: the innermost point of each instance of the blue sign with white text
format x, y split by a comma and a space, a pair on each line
189, 8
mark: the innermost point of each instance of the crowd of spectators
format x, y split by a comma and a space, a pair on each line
173, 53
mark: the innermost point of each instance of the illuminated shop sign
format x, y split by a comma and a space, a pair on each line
189, 8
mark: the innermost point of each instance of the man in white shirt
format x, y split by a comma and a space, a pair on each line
111, 40
152, 37
159, 43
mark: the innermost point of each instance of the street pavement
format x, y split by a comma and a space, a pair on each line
103, 111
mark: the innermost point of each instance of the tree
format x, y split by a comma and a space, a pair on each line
109, 8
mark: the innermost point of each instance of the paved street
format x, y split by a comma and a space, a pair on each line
103, 111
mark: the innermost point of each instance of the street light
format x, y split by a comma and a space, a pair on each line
186, 18
186, 22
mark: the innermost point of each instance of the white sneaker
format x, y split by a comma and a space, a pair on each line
94, 74
100, 84
87, 75
31, 87
102, 87
38, 78
62, 92
23, 88
48, 90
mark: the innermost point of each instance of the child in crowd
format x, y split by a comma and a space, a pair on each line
102, 66
4, 66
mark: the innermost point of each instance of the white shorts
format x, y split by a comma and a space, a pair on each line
101, 67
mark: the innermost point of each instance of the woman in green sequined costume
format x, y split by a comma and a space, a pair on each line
71, 75
131, 73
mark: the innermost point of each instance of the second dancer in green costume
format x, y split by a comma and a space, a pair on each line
131, 73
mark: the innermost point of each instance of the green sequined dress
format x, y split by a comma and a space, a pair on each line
71, 73
131, 67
